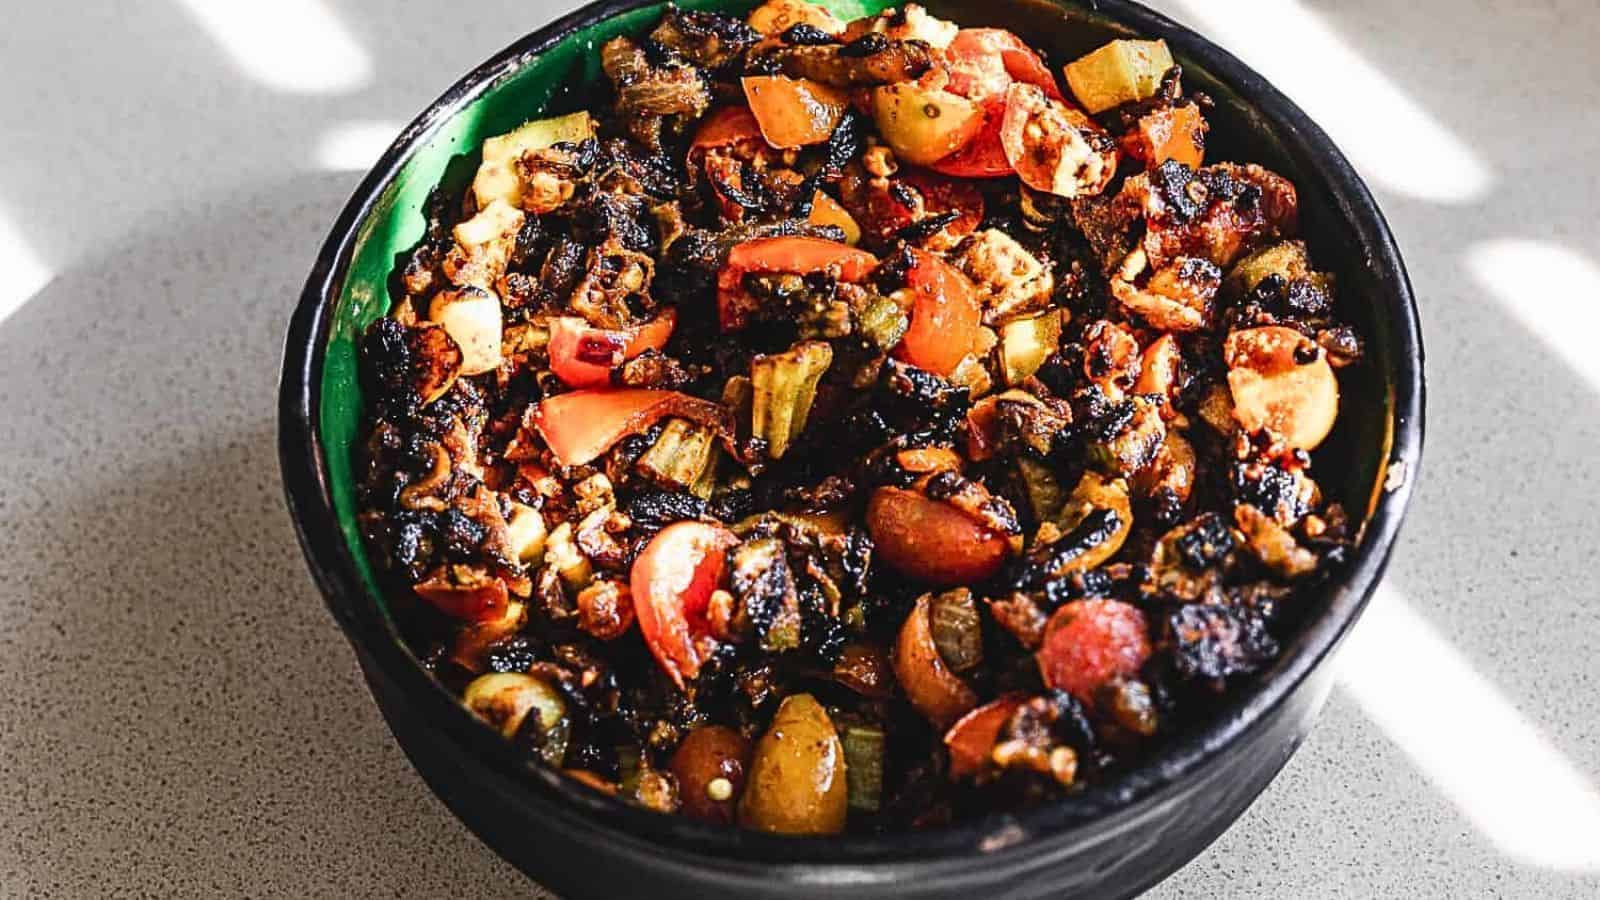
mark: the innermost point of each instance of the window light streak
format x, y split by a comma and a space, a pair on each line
354, 146
25, 273
1553, 291
297, 46
1389, 137
1468, 739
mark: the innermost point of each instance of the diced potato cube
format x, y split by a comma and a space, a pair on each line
1120, 72
497, 177
471, 316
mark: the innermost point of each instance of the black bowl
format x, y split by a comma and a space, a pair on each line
1112, 840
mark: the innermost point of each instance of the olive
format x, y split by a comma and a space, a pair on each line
797, 778
710, 765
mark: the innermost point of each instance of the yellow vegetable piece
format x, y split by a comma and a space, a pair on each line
1120, 72
497, 177
923, 126
826, 211
797, 782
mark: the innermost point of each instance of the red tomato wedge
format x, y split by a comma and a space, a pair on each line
984, 156
985, 61
971, 740
1088, 643
945, 316
486, 600
793, 255
930, 541
672, 581
582, 356
581, 425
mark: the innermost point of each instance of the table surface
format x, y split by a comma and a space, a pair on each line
183, 719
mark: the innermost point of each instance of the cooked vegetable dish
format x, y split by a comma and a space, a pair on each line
853, 426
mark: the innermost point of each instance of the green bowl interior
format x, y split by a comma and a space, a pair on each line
1349, 465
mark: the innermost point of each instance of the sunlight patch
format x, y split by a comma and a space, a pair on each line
354, 146
297, 46
1466, 737
1388, 136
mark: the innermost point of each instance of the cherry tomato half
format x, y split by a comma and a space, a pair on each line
672, 581
1088, 643
985, 61
945, 316
581, 425
582, 355
971, 740
930, 541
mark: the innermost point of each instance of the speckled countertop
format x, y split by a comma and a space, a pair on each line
181, 718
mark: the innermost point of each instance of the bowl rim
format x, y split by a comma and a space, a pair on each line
303, 464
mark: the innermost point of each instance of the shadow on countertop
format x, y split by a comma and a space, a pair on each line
183, 715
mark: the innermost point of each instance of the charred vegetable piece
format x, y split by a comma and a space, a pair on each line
798, 782
465, 592
583, 356
777, 16
471, 316
935, 691
868, 60
497, 177
863, 755
1286, 259
864, 668
1122, 71
785, 387
798, 255
1172, 132
680, 456
882, 323
957, 629
473, 641
1054, 147
1044, 492
971, 740
584, 424
826, 211
1095, 492
923, 126
768, 603
986, 61
522, 707
945, 316
1010, 280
